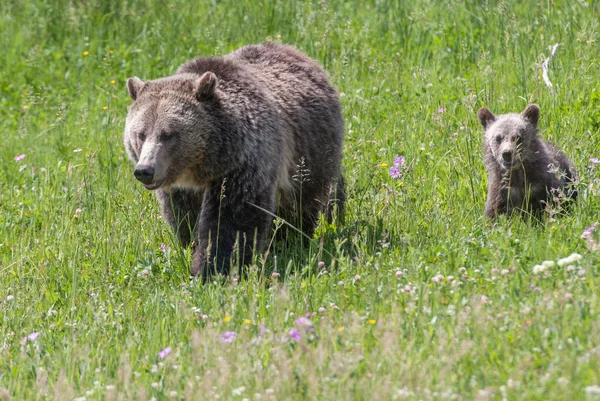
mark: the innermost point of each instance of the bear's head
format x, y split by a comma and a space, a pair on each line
168, 128
508, 137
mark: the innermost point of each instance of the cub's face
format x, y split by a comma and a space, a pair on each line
164, 127
508, 136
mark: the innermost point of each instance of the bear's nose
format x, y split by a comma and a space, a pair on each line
144, 173
507, 155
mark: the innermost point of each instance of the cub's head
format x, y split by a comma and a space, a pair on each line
168, 127
508, 137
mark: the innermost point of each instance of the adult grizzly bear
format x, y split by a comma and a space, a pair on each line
227, 138
524, 172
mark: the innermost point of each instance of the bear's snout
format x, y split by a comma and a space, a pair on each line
144, 173
507, 156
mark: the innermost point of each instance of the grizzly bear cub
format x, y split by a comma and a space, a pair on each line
228, 142
525, 173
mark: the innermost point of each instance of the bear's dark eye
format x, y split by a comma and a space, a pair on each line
142, 136
498, 139
165, 136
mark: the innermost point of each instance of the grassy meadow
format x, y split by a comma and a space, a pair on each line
415, 297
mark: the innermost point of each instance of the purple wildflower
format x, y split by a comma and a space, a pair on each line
20, 157
399, 161
163, 248
295, 335
30, 337
303, 322
228, 336
262, 330
593, 160
394, 172
441, 110
164, 352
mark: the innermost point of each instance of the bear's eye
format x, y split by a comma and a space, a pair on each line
142, 136
165, 136
498, 139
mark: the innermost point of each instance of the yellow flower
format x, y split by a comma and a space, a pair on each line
278, 36
372, 321
247, 321
185, 38
400, 184
25, 107
341, 328
104, 107
85, 53
112, 82
227, 318
383, 165
110, 52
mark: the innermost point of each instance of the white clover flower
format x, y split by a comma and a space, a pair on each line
572, 258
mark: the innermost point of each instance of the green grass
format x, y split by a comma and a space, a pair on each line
80, 257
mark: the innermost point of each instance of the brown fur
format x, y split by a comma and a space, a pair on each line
226, 133
524, 172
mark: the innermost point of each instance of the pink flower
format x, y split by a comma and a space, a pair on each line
303, 322
399, 161
164, 352
394, 172
31, 337
295, 335
593, 160
441, 110
20, 157
163, 248
228, 336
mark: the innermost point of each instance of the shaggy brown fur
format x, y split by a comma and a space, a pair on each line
226, 133
524, 172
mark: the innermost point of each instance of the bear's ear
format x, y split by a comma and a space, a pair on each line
486, 117
531, 113
204, 87
134, 86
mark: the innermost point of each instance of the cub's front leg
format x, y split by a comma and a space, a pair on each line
228, 223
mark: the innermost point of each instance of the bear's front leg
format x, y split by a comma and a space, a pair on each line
229, 223
181, 209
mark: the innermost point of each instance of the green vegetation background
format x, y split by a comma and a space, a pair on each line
423, 301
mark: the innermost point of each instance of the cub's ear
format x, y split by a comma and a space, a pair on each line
134, 86
486, 117
531, 113
204, 87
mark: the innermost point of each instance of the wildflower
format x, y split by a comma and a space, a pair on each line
227, 318
77, 212
164, 352
20, 157
26, 107
85, 53
441, 110
398, 274
437, 279
185, 38
275, 275
399, 161
104, 107
112, 82
238, 391
110, 52
383, 165
10, 298
247, 321
31, 337
546, 264
321, 264
341, 328
43, 169
278, 36
295, 335
372, 321
303, 322
574, 257
228, 336
594, 160
262, 330
357, 277
484, 299
394, 172
163, 248
77, 150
